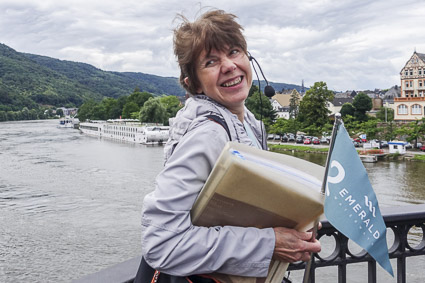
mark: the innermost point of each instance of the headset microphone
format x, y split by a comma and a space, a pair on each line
268, 90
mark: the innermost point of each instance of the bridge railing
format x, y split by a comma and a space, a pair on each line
400, 220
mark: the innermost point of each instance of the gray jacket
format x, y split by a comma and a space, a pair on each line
170, 243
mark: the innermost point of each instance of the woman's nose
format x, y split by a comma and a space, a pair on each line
227, 65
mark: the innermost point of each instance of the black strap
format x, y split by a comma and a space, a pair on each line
146, 273
220, 121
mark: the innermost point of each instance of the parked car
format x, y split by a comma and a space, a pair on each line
277, 137
299, 139
408, 145
284, 138
384, 144
270, 136
324, 140
291, 137
422, 148
316, 140
307, 141
356, 143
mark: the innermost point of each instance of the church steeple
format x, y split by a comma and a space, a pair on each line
302, 87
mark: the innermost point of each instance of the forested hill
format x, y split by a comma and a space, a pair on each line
28, 80
110, 84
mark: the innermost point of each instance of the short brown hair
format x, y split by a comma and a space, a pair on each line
214, 29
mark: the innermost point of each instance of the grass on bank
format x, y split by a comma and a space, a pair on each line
419, 157
286, 147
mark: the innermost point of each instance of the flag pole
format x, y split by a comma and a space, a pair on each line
338, 120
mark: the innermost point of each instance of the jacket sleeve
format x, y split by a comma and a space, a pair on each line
171, 244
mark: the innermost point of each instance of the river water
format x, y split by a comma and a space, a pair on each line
70, 204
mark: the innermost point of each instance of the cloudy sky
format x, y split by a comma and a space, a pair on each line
349, 44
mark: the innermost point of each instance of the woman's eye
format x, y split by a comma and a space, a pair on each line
234, 51
209, 62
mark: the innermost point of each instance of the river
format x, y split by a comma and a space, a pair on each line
70, 204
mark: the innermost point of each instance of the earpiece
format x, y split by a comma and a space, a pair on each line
268, 90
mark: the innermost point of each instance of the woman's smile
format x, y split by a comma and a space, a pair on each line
226, 77
233, 82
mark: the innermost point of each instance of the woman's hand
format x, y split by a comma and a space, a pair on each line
292, 246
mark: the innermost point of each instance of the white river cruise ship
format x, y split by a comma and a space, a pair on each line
128, 130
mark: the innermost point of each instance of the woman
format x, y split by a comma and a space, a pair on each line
212, 55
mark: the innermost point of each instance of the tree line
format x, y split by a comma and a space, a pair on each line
27, 114
138, 105
312, 116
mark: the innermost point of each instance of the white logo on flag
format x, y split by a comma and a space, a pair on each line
338, 178
368, 203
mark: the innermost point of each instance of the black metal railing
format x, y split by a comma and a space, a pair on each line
399, 220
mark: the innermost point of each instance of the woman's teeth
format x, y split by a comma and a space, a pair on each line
232, 83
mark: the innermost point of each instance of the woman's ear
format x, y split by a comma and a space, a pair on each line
186, 81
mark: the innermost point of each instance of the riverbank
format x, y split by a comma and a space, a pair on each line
323, 149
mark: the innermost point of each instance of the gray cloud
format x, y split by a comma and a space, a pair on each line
348, 44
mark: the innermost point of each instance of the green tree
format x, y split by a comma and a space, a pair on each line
99, 112
129, 108
25, 114
352, 125
312, 130
121, 101
32, 115
11, 116
347, 109
171, 104
85, 111
3, 116
59, 112
261, 107
413, 131
389, 131
139, 97
280, 127
294, 102
49, 113
370, 128
293, 126
313, 107
112, 109
362, 103
385, 114
326, 129
153, 111
252, 90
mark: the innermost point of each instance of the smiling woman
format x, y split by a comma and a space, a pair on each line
226, 77
213, 59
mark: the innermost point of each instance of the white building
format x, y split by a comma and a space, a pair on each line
281, 102
410, 105
397, 147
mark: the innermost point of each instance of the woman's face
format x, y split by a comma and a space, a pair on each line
225, 77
